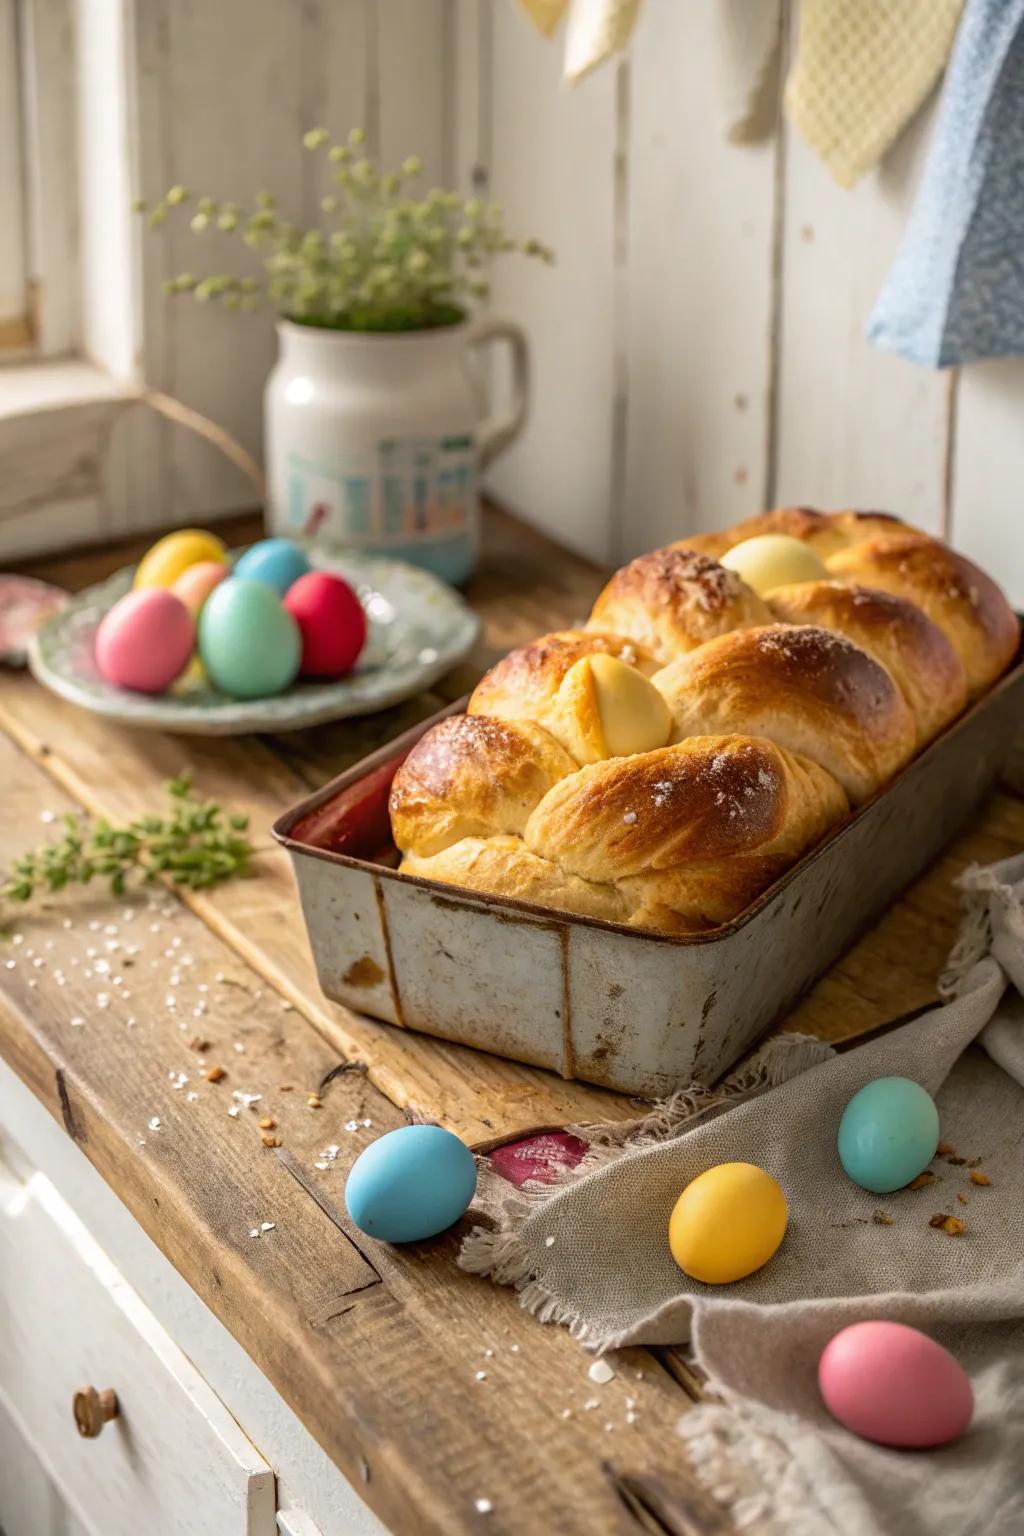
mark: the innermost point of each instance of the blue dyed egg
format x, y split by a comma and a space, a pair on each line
248, 641
888, 1134
275, 562
410, 1184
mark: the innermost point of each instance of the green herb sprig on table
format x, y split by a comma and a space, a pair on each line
196, 845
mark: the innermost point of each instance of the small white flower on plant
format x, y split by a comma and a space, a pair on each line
385, 260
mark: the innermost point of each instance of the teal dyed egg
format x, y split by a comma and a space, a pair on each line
249, 643
276, 562
888, 1134
410, 1184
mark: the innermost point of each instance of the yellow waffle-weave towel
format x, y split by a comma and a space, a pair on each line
863, 67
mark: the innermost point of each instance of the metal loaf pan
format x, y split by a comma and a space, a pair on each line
636, 1011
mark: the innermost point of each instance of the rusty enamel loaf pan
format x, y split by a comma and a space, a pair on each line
640, 1012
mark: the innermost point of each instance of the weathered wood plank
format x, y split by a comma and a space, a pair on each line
347, 1330
525, 584
117, 772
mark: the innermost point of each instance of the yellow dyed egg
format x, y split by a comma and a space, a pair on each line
727, 1223
634, 716
163, 564
774, 560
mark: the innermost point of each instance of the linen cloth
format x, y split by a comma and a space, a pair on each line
955, 292
862, 69
596, 30
592, 1252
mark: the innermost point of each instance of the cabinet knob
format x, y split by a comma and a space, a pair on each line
92, 1409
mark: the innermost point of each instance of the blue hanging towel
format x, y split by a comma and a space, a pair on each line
955, 292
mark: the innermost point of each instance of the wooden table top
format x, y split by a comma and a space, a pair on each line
378, 1350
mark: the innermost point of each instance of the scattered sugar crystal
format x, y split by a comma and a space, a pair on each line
481, 1375
154, 1124
549, 1242
483, 1506
233, 1111
47, 816
629, 818
267, 1226
351, 1125
601, 1372
77, 1021
590, 1403
254, 1231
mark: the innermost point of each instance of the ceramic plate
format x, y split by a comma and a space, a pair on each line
418, 629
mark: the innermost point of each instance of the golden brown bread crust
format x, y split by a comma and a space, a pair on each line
805, 688
689, 834
471, 776
774, 724
526, 684
672, 600
826, 532
902, 638
965, 603
504, 866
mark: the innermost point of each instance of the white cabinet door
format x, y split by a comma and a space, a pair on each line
173, 1460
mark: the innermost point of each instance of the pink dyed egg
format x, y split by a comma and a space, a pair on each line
893, 1384
196, 582
145, 640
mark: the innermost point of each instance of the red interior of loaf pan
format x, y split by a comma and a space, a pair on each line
355, 821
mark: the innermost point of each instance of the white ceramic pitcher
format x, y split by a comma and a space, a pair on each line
376, 441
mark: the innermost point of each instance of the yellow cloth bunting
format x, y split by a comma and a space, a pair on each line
863, 68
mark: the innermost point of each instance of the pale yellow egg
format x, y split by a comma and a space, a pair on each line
727, 1223
634, 716
774, 560
163, 564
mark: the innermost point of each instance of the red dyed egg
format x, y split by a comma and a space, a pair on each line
331, 621
893, 1384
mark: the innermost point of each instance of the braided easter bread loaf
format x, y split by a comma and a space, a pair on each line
665, 764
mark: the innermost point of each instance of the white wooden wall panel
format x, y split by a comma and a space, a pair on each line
52, 171
698, 292
12, 211
228, 121
215, 360
856, 426
413, 71
699, 348
988, 477
551, 166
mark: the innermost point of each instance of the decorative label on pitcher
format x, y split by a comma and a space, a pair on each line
410, 490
